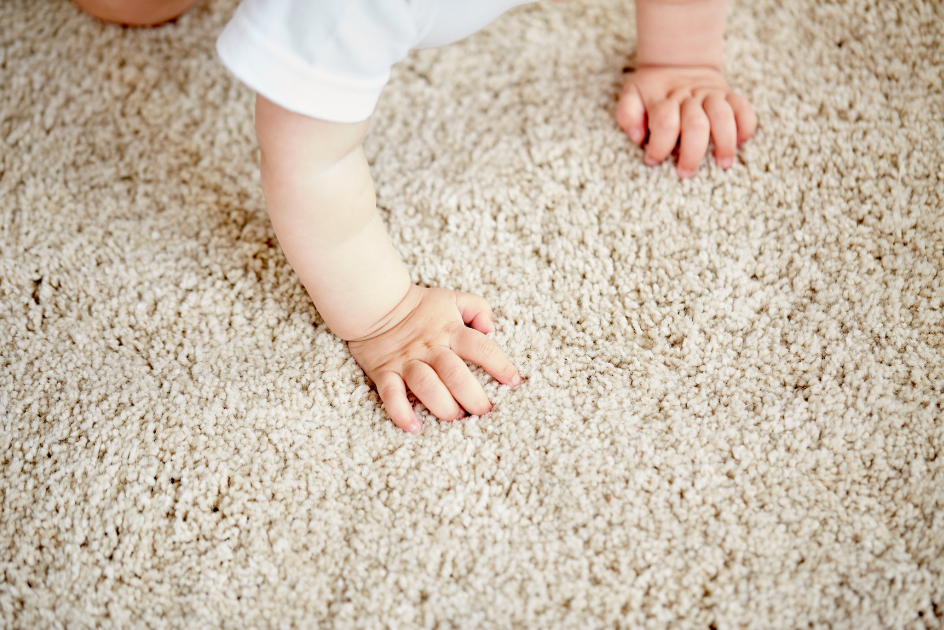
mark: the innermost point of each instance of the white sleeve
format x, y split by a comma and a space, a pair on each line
327, 59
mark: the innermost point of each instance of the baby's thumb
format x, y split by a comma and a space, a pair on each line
475, 311
631, 114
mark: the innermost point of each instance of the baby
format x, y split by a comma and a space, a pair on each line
318, 68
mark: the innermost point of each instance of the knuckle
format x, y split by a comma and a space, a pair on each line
387, 389
485, 349
425, 380
716, 112
697, 123
456, 334
454, 372
664, 123
717, 103
740, 105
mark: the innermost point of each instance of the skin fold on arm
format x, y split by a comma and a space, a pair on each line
677, 94
322, 204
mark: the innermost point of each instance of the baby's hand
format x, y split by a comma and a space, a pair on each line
691, 102
424, 348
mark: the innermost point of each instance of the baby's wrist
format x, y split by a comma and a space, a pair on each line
680, 67
697, 63
404, 308
680, 33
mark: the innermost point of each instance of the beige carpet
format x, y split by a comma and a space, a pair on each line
733, 408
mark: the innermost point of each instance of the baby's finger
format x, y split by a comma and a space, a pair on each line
631, 113
663, 131
393, 394
723, 129
459, 380
426, 385
695, 132
473, 346
476, 311
744, 116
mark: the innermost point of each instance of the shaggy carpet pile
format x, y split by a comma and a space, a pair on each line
732, 412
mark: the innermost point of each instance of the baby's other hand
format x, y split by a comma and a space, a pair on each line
684, 105
424, 347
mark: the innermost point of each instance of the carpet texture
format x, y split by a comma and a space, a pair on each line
732, 409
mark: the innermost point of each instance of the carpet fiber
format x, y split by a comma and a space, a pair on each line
732, 412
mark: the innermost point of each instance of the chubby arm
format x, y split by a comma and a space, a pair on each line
322, 204
677, 94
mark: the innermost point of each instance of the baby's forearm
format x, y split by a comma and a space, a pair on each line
680, 32
321, 200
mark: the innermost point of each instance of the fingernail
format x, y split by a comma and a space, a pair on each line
650, 161
636, 136
416, 426
685, 173
516, 380
461, 415
726, 163
489, 410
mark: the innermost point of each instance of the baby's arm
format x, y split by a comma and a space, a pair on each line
677, 91
321, 200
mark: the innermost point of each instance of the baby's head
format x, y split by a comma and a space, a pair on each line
135, 12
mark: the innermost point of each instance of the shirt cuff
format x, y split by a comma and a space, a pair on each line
289, 82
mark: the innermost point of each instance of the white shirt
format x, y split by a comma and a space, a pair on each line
330, 59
